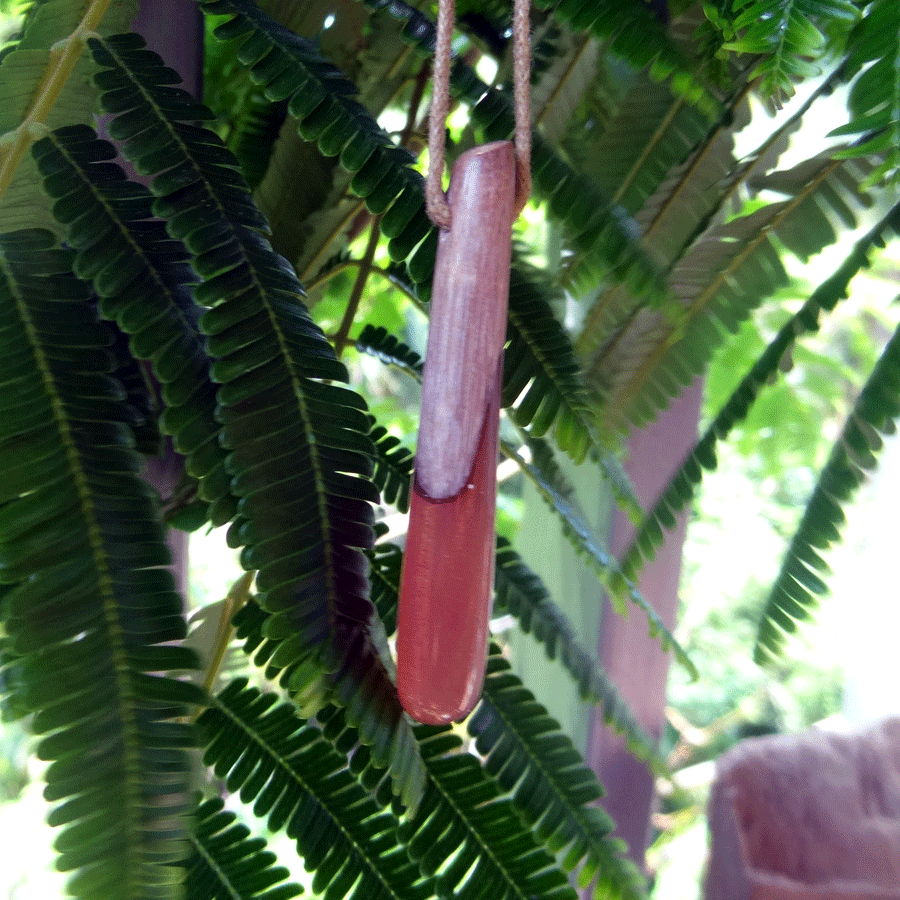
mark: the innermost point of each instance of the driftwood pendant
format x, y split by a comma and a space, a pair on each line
448, 568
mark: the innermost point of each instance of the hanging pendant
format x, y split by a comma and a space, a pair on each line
448, 568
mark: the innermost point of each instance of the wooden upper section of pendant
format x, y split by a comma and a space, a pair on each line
468, 317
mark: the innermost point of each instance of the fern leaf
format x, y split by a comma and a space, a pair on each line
692, 195
541, 378
92, 613
874, 102
227, 864
684, 483
393, 468
793, 595
522, 594
314, 218
786, 36
559, 496
469, 835
378, 342
248, 122
535, 761
634, 33
305, 494
321, 99
298, 782
141, 398
720, 280
387, 560
45, 82
143, 280
559, 85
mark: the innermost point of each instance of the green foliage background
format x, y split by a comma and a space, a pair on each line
191, 305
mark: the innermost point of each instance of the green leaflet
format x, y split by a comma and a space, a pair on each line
297, 781
559, 496
393, 468
520, 592
721, 278
528, 754
50, 32
304, 493
144, 281
94, 619
227, 862
378, 342
291, 69
874, 45
683, 484
786, 37
469, 835
793, 596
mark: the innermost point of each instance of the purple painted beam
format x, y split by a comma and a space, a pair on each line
174, 30
633, 660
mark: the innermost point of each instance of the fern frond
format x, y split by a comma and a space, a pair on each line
559, 496
45, 83
378, 342
248, 122
92, 613
535, 761
469, 835
387, 560
670, 178
634, 33
874, 101
297, 781
793, 595
255, 134
684, 483
692, 195
305, 494
564, 68
522, 594
724, 275
141, 397
226, 863
314, 218
143, 279
393, 467
786, 37
541, 379
321, 100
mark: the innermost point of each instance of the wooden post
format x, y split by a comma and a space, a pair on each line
448, 570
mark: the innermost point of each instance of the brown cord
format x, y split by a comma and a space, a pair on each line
522, 96
435, 199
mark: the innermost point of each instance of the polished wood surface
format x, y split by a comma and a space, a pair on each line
445, 593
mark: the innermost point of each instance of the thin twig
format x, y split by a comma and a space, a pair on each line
365, 266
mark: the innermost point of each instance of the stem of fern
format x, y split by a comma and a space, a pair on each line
63, 57
236, 597
340, 339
